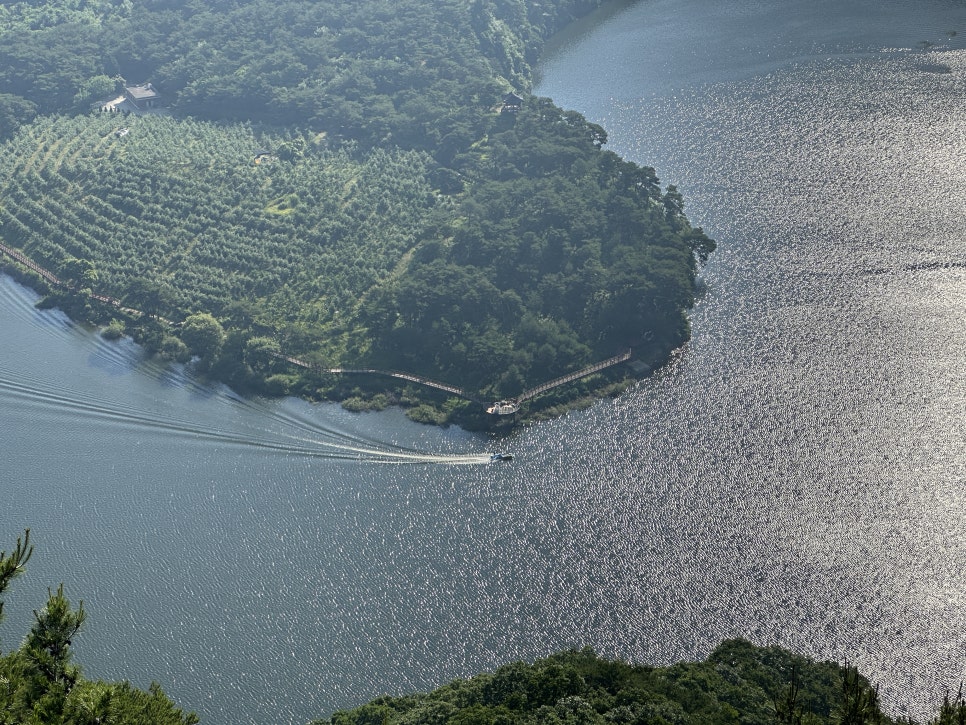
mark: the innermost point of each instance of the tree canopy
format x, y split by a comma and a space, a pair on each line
340, 178
409, 72
738, 683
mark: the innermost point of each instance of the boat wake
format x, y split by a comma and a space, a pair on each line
285, 432
274, 426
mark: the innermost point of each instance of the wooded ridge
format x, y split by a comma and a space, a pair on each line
738, 683
359, 185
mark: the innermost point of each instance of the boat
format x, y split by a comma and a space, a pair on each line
501, 457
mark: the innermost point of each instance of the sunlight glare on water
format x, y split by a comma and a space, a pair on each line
822, 397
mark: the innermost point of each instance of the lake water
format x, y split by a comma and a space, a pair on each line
796, 477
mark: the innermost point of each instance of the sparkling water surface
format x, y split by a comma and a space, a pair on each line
795, 477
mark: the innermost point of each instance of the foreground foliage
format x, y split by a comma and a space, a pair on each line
738, 683
41, 685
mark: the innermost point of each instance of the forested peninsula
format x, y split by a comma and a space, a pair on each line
352, 185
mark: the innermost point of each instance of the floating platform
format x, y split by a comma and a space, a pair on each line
504, 407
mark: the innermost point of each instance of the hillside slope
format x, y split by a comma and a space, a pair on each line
388, 210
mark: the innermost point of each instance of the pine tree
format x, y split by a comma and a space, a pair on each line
13, 565
41, 685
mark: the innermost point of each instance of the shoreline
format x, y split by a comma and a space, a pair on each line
32, 276
83, 304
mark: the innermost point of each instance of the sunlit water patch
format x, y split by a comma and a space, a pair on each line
810, 441
198, 526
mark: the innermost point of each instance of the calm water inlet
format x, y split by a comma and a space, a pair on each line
796, 477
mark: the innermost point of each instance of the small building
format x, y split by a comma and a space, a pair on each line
503, 407
511, 103
143, 96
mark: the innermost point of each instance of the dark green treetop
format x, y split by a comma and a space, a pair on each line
41, 685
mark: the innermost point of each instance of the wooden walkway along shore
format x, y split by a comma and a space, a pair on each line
502, 407
564, 379
388, 373
18, 256
509, 407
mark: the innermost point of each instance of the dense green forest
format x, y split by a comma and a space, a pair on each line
40, 684
410, 72
340, 182
176, 218
738, 683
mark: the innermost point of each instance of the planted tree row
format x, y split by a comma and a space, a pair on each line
183, 205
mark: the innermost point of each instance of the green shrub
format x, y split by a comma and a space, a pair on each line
114, 330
